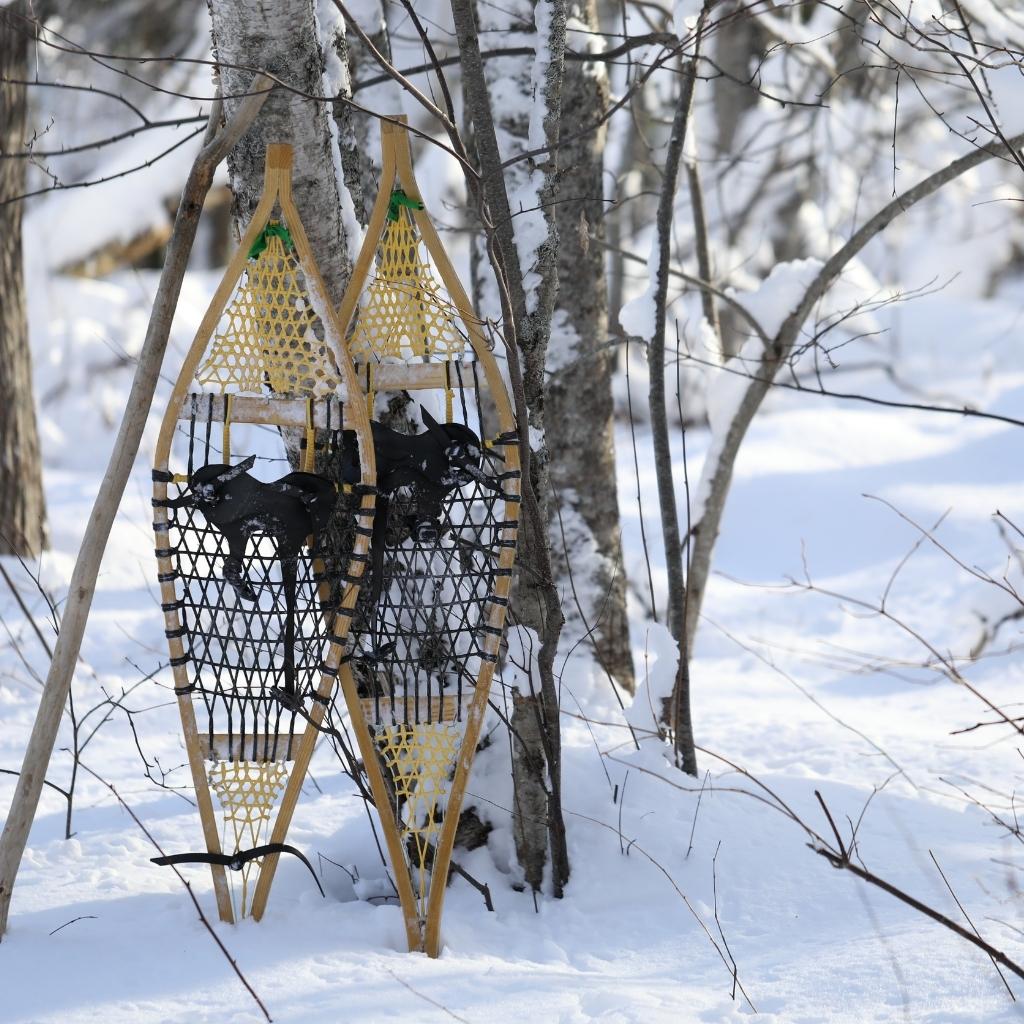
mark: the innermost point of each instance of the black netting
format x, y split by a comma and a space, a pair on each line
421, 621
240, 665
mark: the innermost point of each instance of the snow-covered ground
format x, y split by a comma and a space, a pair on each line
803, 690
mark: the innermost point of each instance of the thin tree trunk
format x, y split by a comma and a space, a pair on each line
22, 510
578, 401
679, 711
716, 477
528, 296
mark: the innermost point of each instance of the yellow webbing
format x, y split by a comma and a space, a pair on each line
268, 333
419, 760
406, 313
247, 792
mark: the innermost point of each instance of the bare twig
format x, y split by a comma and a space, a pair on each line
679, 708
83, 917
967, 918
696, 811
188, 888
481, 887
426, 998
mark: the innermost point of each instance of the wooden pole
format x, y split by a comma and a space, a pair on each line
216, 146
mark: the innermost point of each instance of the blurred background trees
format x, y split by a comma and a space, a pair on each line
22, 508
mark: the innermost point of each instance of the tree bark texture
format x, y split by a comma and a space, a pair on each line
22, 509
531, 288
578, 401
359, 133
518, 200
282, 38
675, 570
530, 812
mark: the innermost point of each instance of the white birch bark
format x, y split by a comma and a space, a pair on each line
359, 133
283, 38
578, 397
515, 107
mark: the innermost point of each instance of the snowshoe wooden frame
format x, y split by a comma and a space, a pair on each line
284, 412
397, 180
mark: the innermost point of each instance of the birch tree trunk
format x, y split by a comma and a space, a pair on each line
578, 399
283, 38
359, 133
22, 511
519, 198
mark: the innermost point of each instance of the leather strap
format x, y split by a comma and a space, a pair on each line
236, 861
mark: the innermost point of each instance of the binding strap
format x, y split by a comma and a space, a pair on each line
236, 861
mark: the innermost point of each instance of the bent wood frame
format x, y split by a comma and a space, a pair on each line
280, 412
397, 169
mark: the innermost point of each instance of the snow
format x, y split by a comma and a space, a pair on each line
539, 71
655, 680
797, 686
779, 293
637, 316
811, 944
520, 98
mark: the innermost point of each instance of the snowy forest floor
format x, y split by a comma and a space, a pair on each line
803, 690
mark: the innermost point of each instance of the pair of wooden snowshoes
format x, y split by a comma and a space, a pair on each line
305, 550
